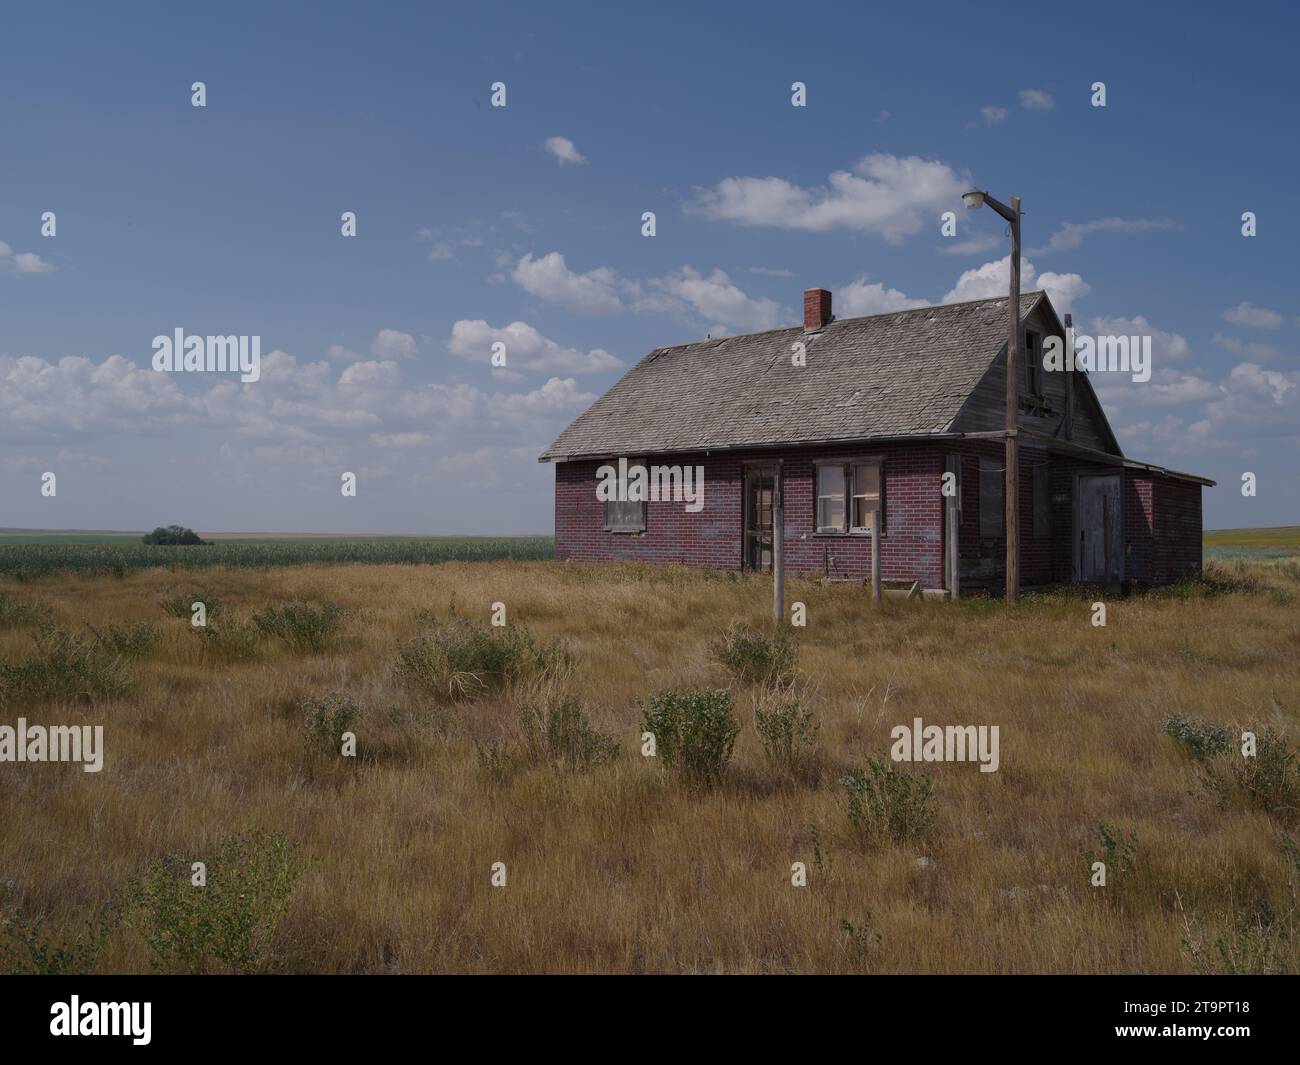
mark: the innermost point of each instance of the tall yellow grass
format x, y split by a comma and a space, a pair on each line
624, 869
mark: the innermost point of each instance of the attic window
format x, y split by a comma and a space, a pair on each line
1033, 356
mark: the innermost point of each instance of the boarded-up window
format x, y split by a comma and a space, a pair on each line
1042, 501
1033, 356
623, 515
991, 515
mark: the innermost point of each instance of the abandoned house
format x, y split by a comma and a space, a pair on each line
869, 420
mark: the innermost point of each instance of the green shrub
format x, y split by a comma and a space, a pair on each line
497, 761
861, 940
28, 947
557, 731
694, 731
1270, 780
302, 626
785, 727
1203, 740
225, 926
457, 658
66, 666
231, 638
751, 655
326, 717
1117, 851
888, 805
128, 641
15, 613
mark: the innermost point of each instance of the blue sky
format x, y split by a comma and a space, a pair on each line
523, 224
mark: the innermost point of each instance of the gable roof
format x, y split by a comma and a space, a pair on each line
906, 373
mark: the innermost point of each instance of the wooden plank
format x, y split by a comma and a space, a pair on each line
952, 528
875, 555
778, 547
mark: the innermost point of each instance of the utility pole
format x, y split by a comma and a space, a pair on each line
974, 199
1012, 490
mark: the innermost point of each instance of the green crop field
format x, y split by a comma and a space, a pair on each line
1280, 541
26, 556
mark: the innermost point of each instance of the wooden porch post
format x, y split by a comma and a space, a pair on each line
875, 555
778, 547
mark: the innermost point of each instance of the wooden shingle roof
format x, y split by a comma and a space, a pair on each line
906, 373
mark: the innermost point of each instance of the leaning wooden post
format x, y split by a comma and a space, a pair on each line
875, 556
1012, 488
778, 549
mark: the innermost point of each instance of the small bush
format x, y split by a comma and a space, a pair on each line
225, 926
694, 731
15, 613
751, 655
785, 727
27, 946
557, 731
1219, 578
888, 805
231, 638
1252, 941
497, 761
128, 641
327, 717
457, 658
301, 626
1203, 740
66, 666
1270, 780
862, 940
1117, 852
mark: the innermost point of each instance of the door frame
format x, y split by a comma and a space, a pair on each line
749, 468
1076, 526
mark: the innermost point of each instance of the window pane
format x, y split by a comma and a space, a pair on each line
830, 512
863, 506
866, 479
830, 497
830, 481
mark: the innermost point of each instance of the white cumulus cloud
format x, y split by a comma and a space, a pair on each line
564, 150
886, 195
525, 347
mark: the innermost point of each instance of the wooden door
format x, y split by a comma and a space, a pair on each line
760, 489
1100, 546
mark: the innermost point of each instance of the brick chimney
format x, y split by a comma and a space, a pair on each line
816, 308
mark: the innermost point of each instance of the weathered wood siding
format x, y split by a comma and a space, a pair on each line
985, 409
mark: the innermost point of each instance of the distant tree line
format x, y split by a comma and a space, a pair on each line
173, 534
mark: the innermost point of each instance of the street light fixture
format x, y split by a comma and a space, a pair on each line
974, 199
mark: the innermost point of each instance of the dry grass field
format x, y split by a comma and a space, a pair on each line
627, 865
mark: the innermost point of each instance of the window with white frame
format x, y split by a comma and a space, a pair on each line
848, 493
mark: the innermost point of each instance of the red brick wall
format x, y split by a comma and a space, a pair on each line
1139, 526
1162, 519
911, 549
1177, 549
1043, 559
